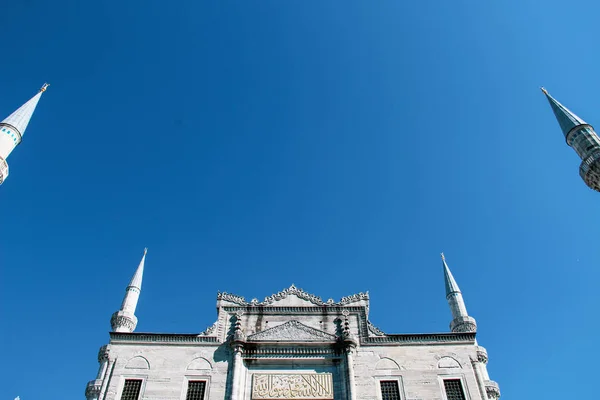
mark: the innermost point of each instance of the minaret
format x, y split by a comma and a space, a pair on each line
125, 320
581, 137
12, 129
461, 321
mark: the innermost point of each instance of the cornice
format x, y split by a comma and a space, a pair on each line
402, 339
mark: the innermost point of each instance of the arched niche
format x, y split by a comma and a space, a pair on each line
199, 363
387, 363
138, 362
448, 362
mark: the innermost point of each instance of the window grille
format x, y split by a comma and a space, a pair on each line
454, 389
131, 389
195, 390
390, 390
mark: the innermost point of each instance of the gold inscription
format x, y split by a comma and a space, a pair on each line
292, 386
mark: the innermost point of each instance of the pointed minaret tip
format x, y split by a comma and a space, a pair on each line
443, 258
44, 87
145, 250
543, 89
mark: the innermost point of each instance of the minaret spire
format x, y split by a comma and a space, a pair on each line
461, 321
125, 320
13, 127
582, 138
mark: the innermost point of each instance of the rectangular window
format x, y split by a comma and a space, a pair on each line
131, 389
390, 390
454, 389
195, 390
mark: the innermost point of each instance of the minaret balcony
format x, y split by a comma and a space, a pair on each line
589, 170
3, 170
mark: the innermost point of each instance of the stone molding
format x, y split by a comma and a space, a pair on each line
292, 331
329, 352
403, 339
292, 290
161, 338
492, 389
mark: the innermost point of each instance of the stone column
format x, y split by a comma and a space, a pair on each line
94, 388
488, 388
236, 371
237, 344
350, 344
350, 349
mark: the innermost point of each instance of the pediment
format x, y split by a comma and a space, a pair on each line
292, 331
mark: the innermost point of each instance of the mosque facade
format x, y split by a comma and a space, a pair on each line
292, 345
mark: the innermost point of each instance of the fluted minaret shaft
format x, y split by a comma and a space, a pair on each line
582, 138
125, 320
461, 321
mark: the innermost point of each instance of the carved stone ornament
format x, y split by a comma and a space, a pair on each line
492, 389
292, 290
92, 389
482, 355
375, 331
463, 324
292, 331
210, 330
103, 353
120, 319
292, 386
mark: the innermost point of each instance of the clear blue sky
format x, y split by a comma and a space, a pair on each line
337, 145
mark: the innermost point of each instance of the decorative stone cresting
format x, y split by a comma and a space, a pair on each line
292, 290
292, 331
210, 330
373, 330
492, 389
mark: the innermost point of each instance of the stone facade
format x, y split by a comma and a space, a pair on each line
292, 345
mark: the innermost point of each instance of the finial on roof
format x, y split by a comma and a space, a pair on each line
44, 87
443, 258
145, 250
543, 89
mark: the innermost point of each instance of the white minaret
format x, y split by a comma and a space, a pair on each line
461, 321
12, 129
125, 320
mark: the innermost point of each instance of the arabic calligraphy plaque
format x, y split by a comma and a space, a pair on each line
292, 386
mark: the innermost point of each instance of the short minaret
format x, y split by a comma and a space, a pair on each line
461, 321
125, 320
12, 129
582, 138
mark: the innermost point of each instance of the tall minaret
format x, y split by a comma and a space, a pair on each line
13, 128
581, 137
125, 320
461, 321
